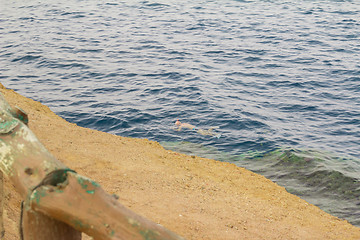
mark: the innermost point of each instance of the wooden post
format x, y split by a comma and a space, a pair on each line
37, 226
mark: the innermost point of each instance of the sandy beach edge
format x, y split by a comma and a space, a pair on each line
195, 197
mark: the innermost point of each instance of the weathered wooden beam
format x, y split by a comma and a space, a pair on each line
26, 162
59, 203
23, 159
84, 205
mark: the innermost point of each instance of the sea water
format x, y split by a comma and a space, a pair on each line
281, 80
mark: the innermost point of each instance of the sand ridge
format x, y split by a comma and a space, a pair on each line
195, 197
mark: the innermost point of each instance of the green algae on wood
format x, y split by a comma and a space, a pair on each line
85, 182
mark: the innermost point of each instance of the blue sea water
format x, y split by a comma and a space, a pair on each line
281, 80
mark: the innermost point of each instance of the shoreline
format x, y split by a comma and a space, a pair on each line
195, 197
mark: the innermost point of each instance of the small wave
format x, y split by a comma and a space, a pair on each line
154, 4
27, 18
27, 76
57, 65
74, 14
303, 60
26, 58
106, 90
244, 1
297, 108
251, 74
89, 50
111, 4
345, 12
252, 59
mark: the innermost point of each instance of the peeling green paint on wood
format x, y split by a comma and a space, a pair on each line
82, 182
37, 195
149, 234
7, 126
95, 184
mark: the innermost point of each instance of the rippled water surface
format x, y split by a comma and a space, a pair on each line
281, 80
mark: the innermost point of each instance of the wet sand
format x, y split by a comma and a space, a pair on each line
195, 197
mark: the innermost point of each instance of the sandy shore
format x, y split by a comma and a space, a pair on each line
195, 197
